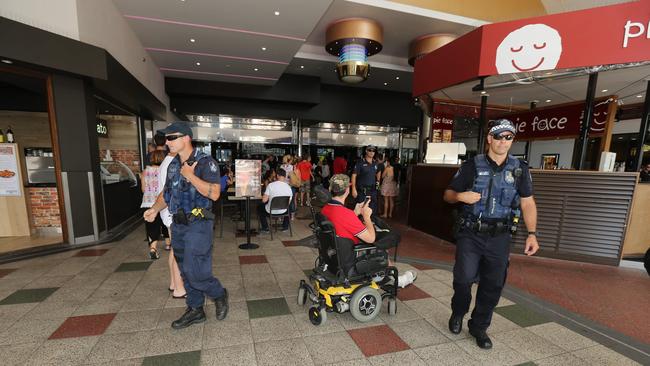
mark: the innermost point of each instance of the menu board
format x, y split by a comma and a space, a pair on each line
248, 174
9, 178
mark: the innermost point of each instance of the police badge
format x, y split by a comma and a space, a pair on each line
509, 177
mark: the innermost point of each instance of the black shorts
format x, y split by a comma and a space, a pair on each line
156, 229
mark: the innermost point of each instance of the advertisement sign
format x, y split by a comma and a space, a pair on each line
442, 126
607, 35
563, 121
248, 178
9, 184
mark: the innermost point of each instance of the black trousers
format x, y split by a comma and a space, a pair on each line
483, 258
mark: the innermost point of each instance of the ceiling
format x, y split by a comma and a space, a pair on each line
244, 41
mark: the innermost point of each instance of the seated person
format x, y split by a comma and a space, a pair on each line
278, 188
348, 225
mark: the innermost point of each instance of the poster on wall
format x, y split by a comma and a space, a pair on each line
248, 178
9, 184
442, 125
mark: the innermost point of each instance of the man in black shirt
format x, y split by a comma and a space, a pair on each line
644, 177
491, 189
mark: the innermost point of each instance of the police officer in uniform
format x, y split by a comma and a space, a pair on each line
365, 178
192, 184
494, 189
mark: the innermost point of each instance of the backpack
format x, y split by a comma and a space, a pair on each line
294, 179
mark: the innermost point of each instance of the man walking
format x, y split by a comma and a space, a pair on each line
192, 184
492, 188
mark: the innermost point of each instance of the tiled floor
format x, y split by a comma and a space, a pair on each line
113, 307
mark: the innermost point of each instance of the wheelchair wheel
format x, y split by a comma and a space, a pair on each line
392, 306
365, 304
317, 316
302, 296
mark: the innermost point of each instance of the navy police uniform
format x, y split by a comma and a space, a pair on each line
366, 182
484, 232
192, 228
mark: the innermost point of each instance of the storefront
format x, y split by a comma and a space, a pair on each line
594, 213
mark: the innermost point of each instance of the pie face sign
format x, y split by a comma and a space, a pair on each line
532, 47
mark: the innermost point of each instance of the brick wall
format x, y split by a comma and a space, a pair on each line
45, 207
129, 157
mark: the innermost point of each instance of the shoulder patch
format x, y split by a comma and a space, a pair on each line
213, 167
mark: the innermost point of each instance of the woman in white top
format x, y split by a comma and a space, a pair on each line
151, 189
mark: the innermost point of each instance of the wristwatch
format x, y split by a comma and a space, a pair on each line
532, 233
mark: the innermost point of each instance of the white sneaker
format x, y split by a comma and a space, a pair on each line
406, 278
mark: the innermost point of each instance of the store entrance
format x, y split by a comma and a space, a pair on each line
30, 195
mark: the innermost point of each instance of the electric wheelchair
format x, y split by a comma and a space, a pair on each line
347, 277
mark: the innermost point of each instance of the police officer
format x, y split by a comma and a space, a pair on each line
365, 178
192, 184
493, 189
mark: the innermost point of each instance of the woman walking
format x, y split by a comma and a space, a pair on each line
388, 188
150, 189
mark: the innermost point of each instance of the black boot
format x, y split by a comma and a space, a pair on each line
222, 305
456, 323
482, 339
191, 316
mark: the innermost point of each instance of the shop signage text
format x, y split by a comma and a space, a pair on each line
102, 128
563, 121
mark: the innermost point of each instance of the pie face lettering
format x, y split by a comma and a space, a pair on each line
532, 47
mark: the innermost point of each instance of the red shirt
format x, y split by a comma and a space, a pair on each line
340, 165
305, 169
346, 223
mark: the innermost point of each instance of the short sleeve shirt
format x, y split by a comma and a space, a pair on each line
305, 170
346, 223
464, 179
277, 189
366, 173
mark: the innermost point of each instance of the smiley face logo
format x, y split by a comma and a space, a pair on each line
532, 47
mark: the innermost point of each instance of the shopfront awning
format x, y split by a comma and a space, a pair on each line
617, 34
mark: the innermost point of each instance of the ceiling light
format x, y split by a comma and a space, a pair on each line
396, 77
227, 65
277, 12
639, 96
192, 40
7, 61
256, 69
548, 100
604, 90
302, 66
198, 64
263, 48
385, 83
483, 92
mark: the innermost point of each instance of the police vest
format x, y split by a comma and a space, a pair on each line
498, 190
181, 194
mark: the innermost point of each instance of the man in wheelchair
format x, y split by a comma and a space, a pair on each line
352, 272
367, 230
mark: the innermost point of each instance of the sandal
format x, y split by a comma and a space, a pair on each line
179, 297
168, 247
153, 254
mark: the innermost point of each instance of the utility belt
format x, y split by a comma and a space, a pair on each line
196, 214
367, 190
487, 227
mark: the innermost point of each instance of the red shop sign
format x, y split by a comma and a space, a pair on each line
563, 121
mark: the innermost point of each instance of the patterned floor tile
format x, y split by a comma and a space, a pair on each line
133, 266
528, 344
252, 259
561, 336
521, 315
91, 253
601, 355
445, 354
241, 355
332, 347
226, 334
63, 351
406, 358
285, 352
411, 292
274, 328
377, 340
83, 326
113, 347
418, 333
28, 296
180, 359
17, 354
267, 307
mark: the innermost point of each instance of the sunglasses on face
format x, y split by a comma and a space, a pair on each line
503, 137
173, 137
371, 150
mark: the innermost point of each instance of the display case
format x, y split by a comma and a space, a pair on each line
115, 172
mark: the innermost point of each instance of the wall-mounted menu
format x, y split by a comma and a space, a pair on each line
9, 177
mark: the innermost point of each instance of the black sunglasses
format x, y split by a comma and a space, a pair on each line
172, 137
371, 150
502, 137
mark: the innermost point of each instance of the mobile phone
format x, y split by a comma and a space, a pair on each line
365, 202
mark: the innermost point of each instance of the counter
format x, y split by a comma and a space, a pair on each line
582, 215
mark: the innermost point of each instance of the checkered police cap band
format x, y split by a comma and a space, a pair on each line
503, 126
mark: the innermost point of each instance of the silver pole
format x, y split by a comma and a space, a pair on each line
300, 137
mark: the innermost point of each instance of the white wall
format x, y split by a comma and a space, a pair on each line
56, 16
627, 126
563, 147
102, 25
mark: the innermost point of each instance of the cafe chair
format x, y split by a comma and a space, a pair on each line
279, 203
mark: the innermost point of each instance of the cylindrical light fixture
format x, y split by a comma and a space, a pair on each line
427, 43
353, 40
